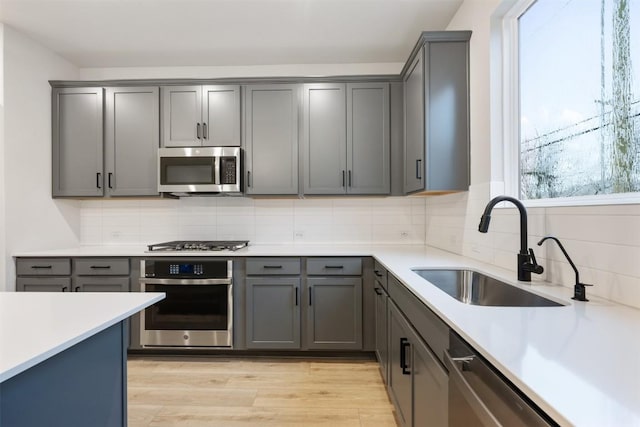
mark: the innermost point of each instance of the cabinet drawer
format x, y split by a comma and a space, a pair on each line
273, 266
381, 273
101, 267
430, 327
43, 267
334, 266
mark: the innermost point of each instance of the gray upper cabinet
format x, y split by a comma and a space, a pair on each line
436, 111
414, 127
271, 139
325, 138
77, 137
368, 138
131, 141
346, 138
201, 116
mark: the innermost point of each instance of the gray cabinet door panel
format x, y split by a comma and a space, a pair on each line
324, 139
273, 313
430, 386
334, 313
368, 161
272, 139
221, 115
382, 338
132, 140
181, 114
77, 160
399, 380
447, 154
414, 141
101, 284
43, 284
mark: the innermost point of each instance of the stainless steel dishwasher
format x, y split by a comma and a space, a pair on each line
479, 396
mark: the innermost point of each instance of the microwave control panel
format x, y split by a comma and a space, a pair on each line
227, 170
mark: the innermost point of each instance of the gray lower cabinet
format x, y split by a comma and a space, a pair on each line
417, 381
271, 139
43, 284
436, 111
132, 138
346, 138
273, 313
43, 274
381, 299
77, 142
101, 274
334, 313
200, 115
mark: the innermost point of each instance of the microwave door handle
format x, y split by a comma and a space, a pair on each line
216, 170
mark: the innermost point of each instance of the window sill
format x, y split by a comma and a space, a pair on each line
604, 199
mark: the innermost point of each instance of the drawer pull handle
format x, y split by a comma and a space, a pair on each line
42, 267
272, 267
64, 289
77, 288
296, 295
377, 272
334, 266
404, 344
378, 291
100, 267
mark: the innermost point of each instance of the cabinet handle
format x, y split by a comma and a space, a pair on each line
349, 173
377, 291
248, 178
404, 343
100, 267
377, 273
98, 179
198, 131
334, 267
343, 182
42, 267
109, 176
273, 267
205, 131
77, 289
418, 174
296, 295
64, 289
310, 293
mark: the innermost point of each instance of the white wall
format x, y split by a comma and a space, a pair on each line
603, 241
3, 251
33, 220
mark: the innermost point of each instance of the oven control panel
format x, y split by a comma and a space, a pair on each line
188, 268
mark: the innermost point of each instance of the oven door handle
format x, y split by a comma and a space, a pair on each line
178, 282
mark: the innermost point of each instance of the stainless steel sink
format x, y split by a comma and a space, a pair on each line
471, 287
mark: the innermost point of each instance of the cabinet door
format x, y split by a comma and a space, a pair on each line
101, 284
181, 116
414, 127
382, 338
368, 161
334, 313
447, 128
132, 138
273, 313
399, 380
430, 386
272, 139
324, 139
221, 115
77, 166
43, 284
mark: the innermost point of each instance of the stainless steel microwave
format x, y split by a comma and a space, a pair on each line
189, 170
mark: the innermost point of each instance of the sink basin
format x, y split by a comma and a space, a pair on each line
471, 287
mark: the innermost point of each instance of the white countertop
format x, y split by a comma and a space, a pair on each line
35, 326
580, 363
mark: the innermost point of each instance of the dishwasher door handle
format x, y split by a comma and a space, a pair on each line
457, 380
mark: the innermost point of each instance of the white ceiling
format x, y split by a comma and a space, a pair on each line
130, 33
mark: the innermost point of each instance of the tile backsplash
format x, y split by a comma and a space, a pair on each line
399, 220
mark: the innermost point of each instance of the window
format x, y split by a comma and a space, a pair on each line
578, 88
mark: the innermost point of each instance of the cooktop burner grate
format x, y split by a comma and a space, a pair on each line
199, 245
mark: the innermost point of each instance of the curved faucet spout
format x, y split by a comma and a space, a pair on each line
483, 227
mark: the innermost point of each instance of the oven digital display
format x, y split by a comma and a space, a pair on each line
185, 269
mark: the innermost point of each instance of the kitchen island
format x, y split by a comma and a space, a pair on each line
63, 357
577, 362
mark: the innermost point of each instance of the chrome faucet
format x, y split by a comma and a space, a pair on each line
579, 290
527, 263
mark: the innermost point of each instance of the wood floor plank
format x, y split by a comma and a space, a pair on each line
238, 392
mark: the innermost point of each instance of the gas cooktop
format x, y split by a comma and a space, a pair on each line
199, 245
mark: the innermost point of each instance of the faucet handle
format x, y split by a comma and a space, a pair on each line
534, 266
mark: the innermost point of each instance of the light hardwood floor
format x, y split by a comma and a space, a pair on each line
212, 391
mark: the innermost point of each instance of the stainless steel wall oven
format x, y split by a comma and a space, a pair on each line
198, 308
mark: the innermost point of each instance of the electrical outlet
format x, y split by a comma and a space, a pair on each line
404, 234
299, 234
